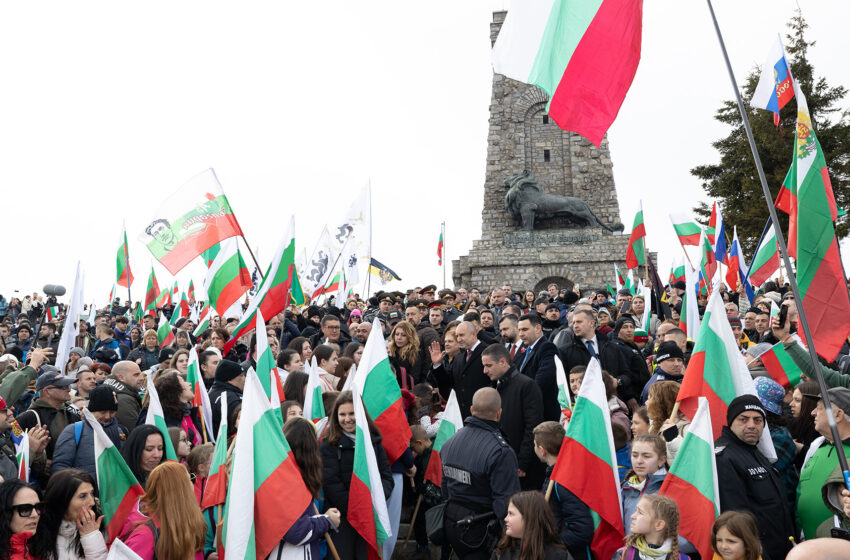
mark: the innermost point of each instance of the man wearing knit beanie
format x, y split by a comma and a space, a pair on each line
747, 479
228, 384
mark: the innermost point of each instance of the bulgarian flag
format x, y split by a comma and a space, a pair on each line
561, 46
707, 264
274, 293
587, 463
452, 422
52, 313
314, 406
119, 490
440, 250
210, 254
812, 241
687, 230
781, 366
331, 287
122, 261
382, 395
677, 271
191, 291
156, 418
181, 311
228, 278
201, 398
563, 389
367, 504
152, 292
189, 222
203, 321
636, 250
163, 332
215, 492
618, 279
692, 482
689, 316
267, 369
765, 261
263, 471
717, 371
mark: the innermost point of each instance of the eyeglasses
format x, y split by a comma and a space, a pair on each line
25, 510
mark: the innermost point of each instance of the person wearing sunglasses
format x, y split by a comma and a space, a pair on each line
20, 512
69, 527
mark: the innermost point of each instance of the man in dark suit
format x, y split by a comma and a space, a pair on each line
466, 373
538, 363
510, 339
522, 411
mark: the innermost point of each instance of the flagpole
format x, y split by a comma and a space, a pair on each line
783, 250
443, 256
127, 260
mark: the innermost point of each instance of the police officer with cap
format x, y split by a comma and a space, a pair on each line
479, 477
748, 480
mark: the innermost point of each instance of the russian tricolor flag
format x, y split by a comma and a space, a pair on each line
775, 87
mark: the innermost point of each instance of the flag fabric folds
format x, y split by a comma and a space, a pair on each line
775, 87
152, 293
452, 422
163, 331
122, 261
382, 271
156, 418
227, 278
584, 55
440, 250
587, 463
215, 492
636, 250
781, 366
686, 228
201, 399
765, 262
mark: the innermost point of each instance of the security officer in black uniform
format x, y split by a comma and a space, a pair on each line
480, 474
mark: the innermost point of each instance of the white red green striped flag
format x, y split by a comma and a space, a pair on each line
717, 371
314, 407
686, 228
189, 222
692, 482
267, 368
587, 463
207, 313
156, 418
367, 504
181, 310
122, 261
52, 313
151, 294
765, 262
382, 395
781, 366
563, 389
677, 270
636, 251
263, 471
163, 332
118, 488
228, 278
215, 492
201, 399
452, 422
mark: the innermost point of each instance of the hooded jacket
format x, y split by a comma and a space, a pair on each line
129, 402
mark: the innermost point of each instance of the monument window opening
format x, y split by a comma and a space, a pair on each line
546, 156
545, 119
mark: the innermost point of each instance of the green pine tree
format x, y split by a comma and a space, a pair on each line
734, 180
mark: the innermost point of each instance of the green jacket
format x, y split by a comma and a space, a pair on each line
831, 492
14, 384
801, 357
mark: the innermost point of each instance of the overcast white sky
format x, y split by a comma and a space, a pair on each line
109, 107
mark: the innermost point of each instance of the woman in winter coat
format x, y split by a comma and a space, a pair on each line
529, 531
337, 449
69, 529
175, 396
147, 353
20, 511
302, 539
404, 355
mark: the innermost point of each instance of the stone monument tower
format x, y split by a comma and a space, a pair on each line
561, 243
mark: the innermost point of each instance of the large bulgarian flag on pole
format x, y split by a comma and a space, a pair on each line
267, 369
584, 55
781, 367
452, 422
382, 395
263, 472
765, 262
367, 504
692, 482
587, 463
201, 399
812, 241
164, 334
215, 492
119, 489
152, 293
156, 418
189, 222
227, 278
275, 291
686, 228
122, 262
636, 251
717, 371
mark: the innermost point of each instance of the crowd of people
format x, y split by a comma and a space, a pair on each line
496, 351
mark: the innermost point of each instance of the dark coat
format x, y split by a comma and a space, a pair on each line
749, 482
572, 519
540, 366
574, 352
634, 376
464, 377
342, 342
129, 402
222, 390
522, 411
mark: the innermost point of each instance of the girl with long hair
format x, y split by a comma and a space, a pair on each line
175, 529
301, 345
803, 424
660, 402
735, 536
649, 461
654, 530
175, 396
68, 530
295, 386
198, 462
302, 539
21, 509
529, 532
353, 350
337, 450
180, 361
143, 451
289, 361
403, 352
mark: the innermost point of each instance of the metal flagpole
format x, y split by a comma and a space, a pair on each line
783, 250
127, 261
443, 251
